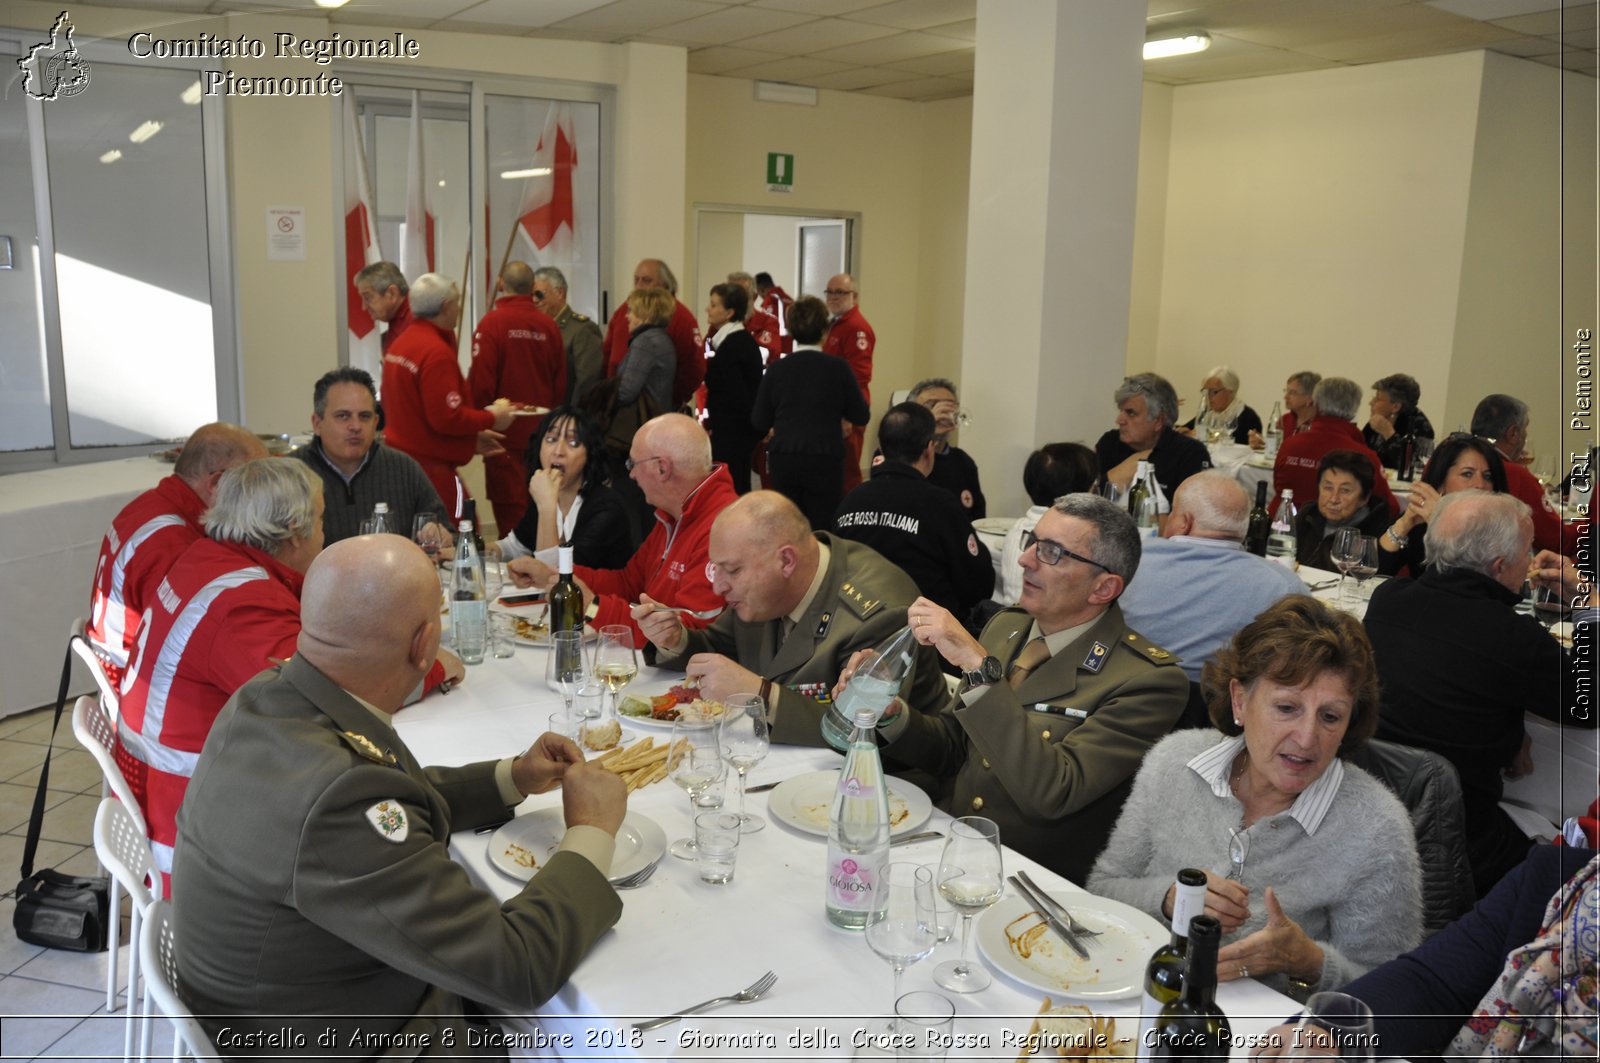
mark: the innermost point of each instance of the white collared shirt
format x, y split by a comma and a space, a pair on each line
1216, 764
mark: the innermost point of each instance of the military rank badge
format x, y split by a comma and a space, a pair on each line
1096, 659
388, 818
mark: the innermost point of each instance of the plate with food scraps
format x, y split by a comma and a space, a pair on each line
658, 712
1016, 941
528, 629
523, 846
805, 802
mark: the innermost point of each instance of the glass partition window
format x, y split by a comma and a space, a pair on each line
544, 185
24, 374
128, 204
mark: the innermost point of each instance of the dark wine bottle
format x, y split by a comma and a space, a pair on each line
566, 599
1255, 538
1163, 975
1193, 1027
1408, 458
469, 511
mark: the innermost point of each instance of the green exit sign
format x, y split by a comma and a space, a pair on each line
780, 172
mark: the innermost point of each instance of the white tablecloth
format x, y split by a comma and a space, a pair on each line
51, 524
680, 941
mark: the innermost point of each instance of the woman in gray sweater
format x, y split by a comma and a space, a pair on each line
652, 360
1313, 864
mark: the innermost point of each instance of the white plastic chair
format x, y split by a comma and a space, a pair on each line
79, 641
159, 952
94, 732
125, 852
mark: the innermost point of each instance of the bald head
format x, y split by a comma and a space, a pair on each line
1210, 505
681, 439
517, 278
369, 617
212, 450
768, 518
765, 556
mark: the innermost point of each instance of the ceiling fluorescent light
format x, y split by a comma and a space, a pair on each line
145, 132
514, 175
1186, 42
782, 92
332, 3
111, 156
191, 95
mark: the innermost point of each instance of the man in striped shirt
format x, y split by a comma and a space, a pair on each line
151, 531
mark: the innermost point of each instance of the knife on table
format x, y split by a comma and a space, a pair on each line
1055, 924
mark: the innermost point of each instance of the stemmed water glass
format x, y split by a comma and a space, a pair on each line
616, 663
566, 666
1366, 565
901, 924
694, 762
1346, 554
742, 735
970, 877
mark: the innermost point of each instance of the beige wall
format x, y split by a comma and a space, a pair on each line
853, 154
1150, 226
1316, 221
1507, 336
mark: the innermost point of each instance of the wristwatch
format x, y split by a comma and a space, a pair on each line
987, 672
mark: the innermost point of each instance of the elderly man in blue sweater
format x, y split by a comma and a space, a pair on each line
1197, 585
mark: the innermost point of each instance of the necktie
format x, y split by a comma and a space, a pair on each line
1032, 656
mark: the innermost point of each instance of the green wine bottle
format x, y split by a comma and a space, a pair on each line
566, 598
1163, 976
1193, 1027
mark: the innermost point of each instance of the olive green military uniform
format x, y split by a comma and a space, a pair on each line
312, 889
1054, 782
585, 350
861, 601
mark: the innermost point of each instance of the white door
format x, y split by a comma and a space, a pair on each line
822, 249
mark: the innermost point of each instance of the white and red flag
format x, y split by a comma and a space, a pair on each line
547, 217
360, 244
416, 236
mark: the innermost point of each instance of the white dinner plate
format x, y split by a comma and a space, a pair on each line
649, 723
993, 525
805, 802
532, 411
1117, 958
523, 846
1259, 462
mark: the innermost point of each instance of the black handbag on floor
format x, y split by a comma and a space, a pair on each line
54, 910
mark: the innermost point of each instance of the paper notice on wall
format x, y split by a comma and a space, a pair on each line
286, 234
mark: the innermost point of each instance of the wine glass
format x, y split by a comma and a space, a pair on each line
566, 667
901, 924
970, 877
742, 734
694, 762
1338, 1021
428, 533
1367, 565
616, 663
1346, 553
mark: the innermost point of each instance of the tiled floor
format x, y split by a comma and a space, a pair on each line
53, 1003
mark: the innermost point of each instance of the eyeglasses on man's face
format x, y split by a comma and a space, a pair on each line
633, 463
1051, 553
837, 291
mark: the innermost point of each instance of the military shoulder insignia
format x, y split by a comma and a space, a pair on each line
860, 604
1096, 658
367, 748
388, 818
823, 624
1150, 650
